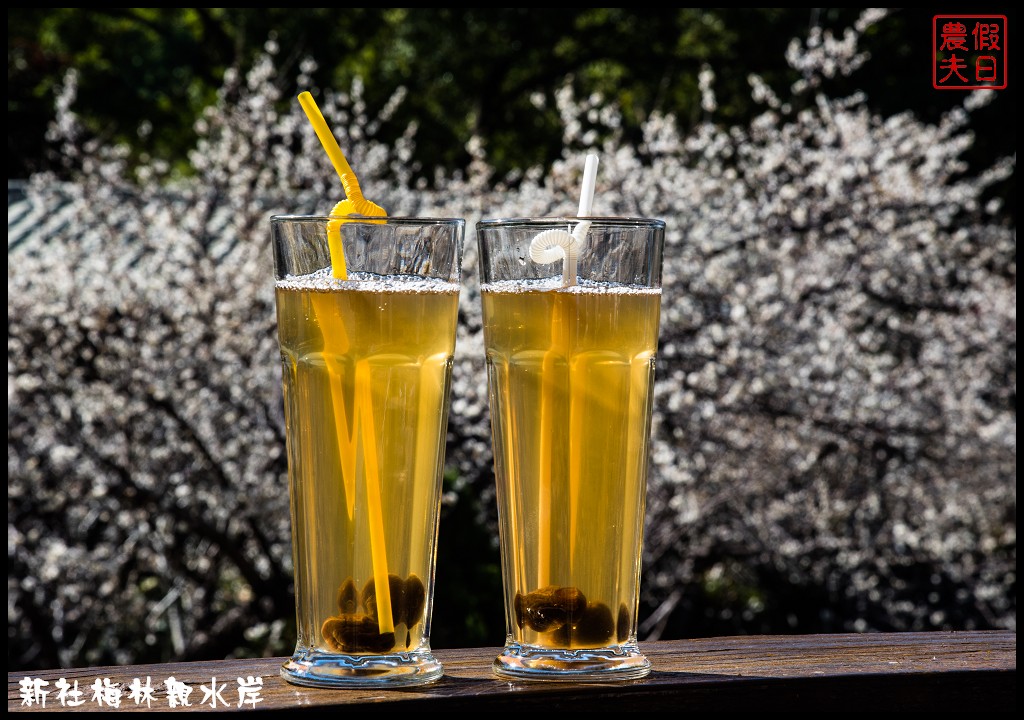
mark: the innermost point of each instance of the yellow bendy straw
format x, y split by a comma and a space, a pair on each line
354, 202
335, 340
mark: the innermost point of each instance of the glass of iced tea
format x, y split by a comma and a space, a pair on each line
366, 369
570, 372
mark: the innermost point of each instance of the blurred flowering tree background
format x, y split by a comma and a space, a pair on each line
834, 439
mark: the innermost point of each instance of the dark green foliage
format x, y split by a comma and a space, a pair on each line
146, 73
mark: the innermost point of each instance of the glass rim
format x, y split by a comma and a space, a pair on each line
374, 219
603, 220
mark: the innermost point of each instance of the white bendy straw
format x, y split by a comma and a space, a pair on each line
552, 245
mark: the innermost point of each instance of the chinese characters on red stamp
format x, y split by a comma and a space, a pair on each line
969, 52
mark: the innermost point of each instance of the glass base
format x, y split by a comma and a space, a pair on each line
331, 670
529, 662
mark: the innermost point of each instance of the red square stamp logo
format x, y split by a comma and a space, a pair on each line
970, 52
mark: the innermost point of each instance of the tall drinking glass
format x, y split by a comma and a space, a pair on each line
366, 366
570, 370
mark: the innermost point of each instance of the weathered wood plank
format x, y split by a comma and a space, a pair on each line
884, 671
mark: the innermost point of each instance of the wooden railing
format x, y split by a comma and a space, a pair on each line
936, 671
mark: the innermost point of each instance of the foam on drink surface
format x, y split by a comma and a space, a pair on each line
554, 284
323, 281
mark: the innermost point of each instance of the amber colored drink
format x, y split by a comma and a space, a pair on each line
570, 375
366, 373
